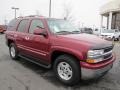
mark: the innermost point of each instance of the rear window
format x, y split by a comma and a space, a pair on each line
12, 25
23, 25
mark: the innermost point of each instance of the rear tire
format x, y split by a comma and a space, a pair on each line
67, 70
113, 39
13, 51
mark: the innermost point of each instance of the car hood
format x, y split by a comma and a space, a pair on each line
108, 34
94, 41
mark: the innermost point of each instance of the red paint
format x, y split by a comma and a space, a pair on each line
97, 65
43, 47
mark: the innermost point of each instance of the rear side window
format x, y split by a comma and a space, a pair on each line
12, 25
23, 26
34, 25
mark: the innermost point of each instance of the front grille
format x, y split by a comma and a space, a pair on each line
108, 53
106, 57
108, 49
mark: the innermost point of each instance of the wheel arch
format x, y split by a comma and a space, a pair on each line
57, 53
9, 41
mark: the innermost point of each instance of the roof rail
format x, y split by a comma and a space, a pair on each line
34, 16
20, 17
29, 16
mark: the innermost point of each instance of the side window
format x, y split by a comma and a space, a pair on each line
23, 25
35, 24
12, 25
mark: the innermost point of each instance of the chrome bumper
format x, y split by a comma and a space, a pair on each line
94, 73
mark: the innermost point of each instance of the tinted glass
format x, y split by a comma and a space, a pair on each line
116, 30
35, 24
107, 31
23, 25
62, 26
12, 25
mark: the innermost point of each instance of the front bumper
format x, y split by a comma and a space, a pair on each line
107, 37
92, 74
92, 71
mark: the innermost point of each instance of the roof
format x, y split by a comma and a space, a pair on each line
31, 16
37, 16
113, 6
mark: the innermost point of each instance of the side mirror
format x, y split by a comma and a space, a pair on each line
40, 31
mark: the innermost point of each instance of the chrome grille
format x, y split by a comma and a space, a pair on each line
108, 49
108, 53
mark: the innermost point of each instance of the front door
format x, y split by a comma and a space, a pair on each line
37, 45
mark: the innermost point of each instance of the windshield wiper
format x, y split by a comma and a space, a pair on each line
63, 32
76, 31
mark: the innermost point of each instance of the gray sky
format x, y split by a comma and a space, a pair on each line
84, 11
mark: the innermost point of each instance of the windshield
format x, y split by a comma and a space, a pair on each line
107, 31
62, 27
116, 30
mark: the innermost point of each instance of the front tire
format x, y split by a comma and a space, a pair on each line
113, 39
119, 38
67, 69
13, 51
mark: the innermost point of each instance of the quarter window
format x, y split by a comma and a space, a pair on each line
35, 24
23, 25
13, 24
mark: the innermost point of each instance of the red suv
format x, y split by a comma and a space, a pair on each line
55, 43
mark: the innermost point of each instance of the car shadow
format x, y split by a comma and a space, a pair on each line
49, 75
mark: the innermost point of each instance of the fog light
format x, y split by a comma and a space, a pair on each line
94, 60
90, 61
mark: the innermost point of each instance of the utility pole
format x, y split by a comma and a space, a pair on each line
5, 21
15, 10
82, 25
50, 9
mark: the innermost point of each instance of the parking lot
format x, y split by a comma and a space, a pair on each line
23, 75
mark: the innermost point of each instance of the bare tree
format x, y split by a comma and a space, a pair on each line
68, 13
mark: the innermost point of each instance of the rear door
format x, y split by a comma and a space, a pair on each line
21, 35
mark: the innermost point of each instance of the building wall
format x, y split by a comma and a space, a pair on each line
112, 7
113, 26
116, 21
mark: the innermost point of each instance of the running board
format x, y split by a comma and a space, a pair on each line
42, 65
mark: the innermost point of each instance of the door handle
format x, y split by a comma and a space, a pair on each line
27, 38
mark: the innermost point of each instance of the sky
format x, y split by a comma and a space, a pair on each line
84, 12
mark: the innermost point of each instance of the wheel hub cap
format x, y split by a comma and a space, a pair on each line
64, 70
12, 51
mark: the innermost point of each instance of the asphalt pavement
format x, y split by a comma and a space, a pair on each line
23, 75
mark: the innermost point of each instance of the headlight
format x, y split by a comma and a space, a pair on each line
109, 36
95, 56
95, 53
